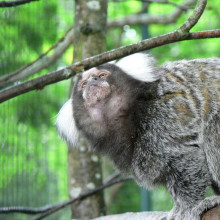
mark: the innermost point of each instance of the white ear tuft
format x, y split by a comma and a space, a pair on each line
66, 125
140, 66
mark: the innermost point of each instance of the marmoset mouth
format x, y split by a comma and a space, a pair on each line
95, 92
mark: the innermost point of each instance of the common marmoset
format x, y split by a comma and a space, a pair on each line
161, 124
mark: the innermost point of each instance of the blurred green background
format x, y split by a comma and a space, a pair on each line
33, 160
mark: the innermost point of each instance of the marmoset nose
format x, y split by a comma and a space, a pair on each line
95, 78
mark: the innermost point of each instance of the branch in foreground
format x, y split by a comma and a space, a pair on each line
68, 72
111, 180
213, 213
84, 196
4, 4
43, 61
177, 35
135, 216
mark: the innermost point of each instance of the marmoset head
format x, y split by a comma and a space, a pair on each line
104, 96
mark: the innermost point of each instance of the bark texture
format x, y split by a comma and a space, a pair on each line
84, 167
212, 214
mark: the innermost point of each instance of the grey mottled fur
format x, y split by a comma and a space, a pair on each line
165, 132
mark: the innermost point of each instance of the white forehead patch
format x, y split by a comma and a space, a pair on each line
66, 125
140, 66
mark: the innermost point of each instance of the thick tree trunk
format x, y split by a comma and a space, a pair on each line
84, 167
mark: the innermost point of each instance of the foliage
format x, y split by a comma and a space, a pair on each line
33, 160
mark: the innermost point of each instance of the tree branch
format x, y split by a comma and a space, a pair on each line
135, 215
70, 71
80, 198
193, 19
43, 61
4, 4
110, 181
213, 213
180, 34
143, 19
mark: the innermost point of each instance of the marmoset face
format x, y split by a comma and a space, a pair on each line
94, 86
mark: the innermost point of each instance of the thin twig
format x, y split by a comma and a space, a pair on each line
144, 18
113, 179
81, 197
25, 210
42, 61
4, 4
194, 17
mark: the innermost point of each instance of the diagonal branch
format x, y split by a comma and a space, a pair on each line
66, 73
112, 180
81, 197
4, 4
193, 19
70, 71
45, 60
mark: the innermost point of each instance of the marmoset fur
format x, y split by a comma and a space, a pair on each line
159, 123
